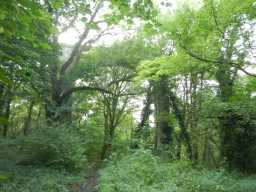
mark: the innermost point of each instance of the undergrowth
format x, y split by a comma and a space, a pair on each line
143, 172
33, 179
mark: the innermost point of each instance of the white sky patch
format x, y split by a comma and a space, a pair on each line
116, 33
71, 36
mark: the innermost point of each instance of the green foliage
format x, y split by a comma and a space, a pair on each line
55, 146
92, 131
25, 27
24, 20
177, 64
239, 117
144, 172
33, 179
124, 56
132, 173
199, 51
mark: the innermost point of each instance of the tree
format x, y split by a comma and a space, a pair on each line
91, 14
215, 34
112, 69
24, 31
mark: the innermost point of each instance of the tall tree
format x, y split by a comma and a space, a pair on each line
222, 43
91, 15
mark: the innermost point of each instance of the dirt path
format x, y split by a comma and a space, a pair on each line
91, 182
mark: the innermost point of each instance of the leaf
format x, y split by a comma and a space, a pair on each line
4, 79
4, 178
57, 4
3, 121
1, 30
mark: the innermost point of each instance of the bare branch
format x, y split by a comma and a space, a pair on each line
78, 45
245, 71
87, 46
70, 24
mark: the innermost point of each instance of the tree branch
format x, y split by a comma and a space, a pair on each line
70, 24
87, 46
215, 18
201, 58
78, 45
83, 88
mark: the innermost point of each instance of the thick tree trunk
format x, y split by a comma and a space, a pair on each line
184, 129
146, 112
164, 128
226, 83
59, 110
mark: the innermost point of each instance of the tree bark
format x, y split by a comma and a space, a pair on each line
27, 122
146, 112
184, 129
226, 83
6, 114
164, 129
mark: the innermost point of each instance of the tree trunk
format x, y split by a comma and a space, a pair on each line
38, 117
1, 99
146, 112
27, 122
225, 81
108, 138
106, 149
181, 120
6, 114
58, 110
164, 128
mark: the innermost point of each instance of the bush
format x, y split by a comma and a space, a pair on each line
60, 146
32, 179
239, 136
143, 172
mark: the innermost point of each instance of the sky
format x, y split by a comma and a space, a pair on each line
166, 7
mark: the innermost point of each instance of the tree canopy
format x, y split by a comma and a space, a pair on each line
136, 95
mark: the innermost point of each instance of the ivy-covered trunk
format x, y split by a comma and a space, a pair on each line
58, 110
164, 129
57, 105
109, 130
6, 100
107, 142
224, 78
184, 134
140, 130
27, 122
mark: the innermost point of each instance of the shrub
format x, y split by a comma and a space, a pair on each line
239, 136
32, 179
143, 172
59, 146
